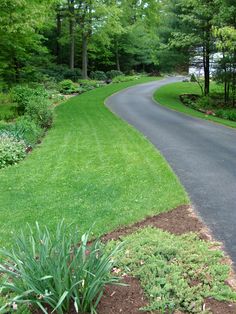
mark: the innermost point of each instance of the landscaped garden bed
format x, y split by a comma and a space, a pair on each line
192, 103
168, 263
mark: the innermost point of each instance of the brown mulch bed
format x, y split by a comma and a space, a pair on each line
177, 221
217, 307
123, 299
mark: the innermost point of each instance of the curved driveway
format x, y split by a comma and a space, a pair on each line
202, 154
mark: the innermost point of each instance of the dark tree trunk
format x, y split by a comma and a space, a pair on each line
207, 70
117, 57
72, 34
58, 47
206, 59
84, 56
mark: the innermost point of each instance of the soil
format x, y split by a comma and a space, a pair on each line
123, 299
217, 307
178, 221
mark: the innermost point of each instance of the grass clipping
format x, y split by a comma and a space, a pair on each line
176, 272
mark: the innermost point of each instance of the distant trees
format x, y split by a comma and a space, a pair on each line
126, 35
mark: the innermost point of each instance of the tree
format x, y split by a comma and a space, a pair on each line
197, 21
20, 31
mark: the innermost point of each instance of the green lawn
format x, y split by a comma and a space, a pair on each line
168, 96
91, 167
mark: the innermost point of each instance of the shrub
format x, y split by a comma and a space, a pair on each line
90, 84
204, 102
193, 78
11, 150
229, 114
67, 87
38, 110
114, 73
22, 94
57, 271
62, 72
98, 75
73, 75
123, 78
29, 131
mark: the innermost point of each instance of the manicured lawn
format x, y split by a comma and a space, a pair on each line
91, 168
168, 96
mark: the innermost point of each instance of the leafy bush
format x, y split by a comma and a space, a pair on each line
113, 73
29, 131
57, 271
22, 94
98, 75
8, 113
176, 272
204, 102
11, 150
38, 110
123, 78
229, 114
62, 72
193, 78
23, 129
67, 87
90, 84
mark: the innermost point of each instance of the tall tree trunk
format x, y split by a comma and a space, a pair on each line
72, 34
117, 57
207, 71
58, 47
84, 56
206, 60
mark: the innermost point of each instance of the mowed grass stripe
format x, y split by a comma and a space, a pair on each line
91, 167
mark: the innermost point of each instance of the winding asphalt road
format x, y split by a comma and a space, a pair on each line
201, 153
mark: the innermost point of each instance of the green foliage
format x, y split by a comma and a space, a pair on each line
61, 72
11, 150
229, 114
38, 110
67, 87
98, 75
88, 85
22, 95
28, 130
123, 78
176, 272
113, 73
57, 270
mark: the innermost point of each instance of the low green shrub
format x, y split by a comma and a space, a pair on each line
67, 87
62, 72
22, 95
29, 131
11, 150
90, 84
229, 114
57, 271
123, 78
176, 272
113, 73
8, 113
38, 110
23, 129
98, 75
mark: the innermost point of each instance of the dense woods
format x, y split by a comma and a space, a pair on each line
49, 38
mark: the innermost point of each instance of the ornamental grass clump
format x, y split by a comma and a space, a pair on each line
58, 272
